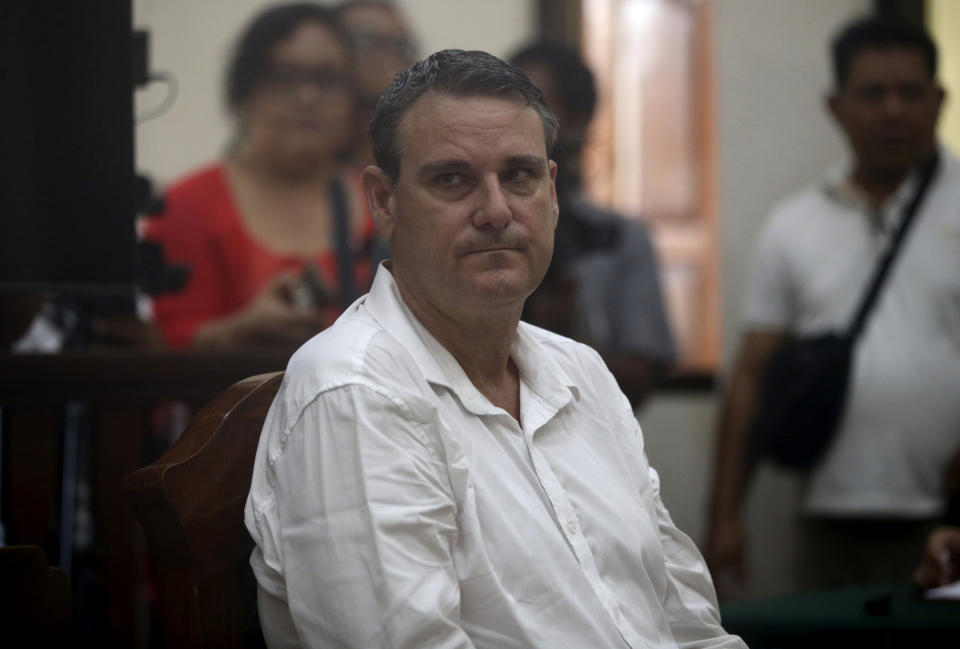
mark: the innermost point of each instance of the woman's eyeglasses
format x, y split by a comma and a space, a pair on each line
290, 78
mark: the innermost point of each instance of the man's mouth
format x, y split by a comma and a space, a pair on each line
492, 249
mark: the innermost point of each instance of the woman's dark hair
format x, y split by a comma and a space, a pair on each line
879, 33
251, 54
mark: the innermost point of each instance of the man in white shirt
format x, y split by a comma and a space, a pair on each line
880, 486
435, 473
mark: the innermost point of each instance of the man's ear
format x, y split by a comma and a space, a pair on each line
379, 189
552, 167
832, 103
941, 93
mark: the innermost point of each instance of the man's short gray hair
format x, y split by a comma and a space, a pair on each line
451, 72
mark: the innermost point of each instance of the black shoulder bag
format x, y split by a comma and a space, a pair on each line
806, 381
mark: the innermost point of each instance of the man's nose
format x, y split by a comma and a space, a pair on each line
494, 210
893, 104
308, 92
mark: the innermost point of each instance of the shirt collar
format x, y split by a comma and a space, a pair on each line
837, 186
537, 369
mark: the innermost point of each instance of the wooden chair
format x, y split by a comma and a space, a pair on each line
190, 503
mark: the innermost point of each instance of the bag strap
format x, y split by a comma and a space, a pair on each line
927, 172
345, 264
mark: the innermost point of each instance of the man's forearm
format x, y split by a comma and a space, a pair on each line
732, 464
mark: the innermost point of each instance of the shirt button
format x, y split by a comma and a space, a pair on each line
616, 615
572, 526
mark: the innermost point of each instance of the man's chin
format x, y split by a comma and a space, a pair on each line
897, 158
502, 286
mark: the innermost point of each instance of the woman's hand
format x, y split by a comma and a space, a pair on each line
270, 319
941, 559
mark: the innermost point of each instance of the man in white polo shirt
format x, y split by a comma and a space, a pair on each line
879, 489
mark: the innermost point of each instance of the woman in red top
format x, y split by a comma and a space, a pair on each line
276, 238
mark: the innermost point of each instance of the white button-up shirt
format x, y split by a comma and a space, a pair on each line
394, 506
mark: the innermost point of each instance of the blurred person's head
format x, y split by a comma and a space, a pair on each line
381, 43
886, 98
382, 47
288, 86
456, 73
566, 82
571, 94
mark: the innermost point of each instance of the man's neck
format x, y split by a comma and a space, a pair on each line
880, 183
877, 186
481, 344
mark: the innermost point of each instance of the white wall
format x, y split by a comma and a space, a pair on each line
191, 39
943, 18
497, 26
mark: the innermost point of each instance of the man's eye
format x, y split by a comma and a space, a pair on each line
520, 174
284, 76
872, 93
449, 179
912, 92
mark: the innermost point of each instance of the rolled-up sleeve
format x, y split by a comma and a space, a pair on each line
365, 525
768, 303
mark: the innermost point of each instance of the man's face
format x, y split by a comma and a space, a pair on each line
888, 109
472, 213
